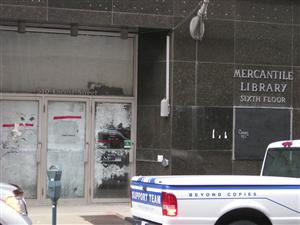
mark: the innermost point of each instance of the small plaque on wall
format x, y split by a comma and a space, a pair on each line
256, 128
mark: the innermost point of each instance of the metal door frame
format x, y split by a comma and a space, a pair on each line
50, 98
39, 149
132, 152
90, 102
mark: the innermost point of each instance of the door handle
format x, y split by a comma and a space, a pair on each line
38, 152
86, 152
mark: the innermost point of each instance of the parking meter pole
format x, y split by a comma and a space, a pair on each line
54, 211
54, 189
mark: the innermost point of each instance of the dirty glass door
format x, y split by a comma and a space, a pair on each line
66, 144
111, 150
19, 133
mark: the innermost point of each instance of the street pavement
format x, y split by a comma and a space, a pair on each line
96, 214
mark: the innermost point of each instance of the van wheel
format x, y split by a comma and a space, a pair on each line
242, 222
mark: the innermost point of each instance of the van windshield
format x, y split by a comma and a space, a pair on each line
283, 162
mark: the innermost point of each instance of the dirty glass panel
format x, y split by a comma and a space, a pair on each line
66, 142
18, 144
112, 148
52, 63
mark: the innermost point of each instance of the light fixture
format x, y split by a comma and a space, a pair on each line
197, 22
123, 33
74, 30
21, 27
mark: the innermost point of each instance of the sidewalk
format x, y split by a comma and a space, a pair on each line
74, 215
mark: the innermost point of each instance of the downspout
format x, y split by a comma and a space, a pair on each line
165, 103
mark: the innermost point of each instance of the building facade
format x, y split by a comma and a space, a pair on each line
82, 81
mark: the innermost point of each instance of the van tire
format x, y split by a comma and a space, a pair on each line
242, 222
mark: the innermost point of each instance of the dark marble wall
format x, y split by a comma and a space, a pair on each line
197, 138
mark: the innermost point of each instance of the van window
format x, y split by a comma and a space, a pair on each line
283, 162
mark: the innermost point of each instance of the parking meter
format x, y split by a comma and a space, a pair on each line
54, 184
54, 188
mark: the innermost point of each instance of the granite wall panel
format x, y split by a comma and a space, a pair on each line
214, 84
262, 43
201, 162
99, 5
153, 131
182, 127
152, 45
25, 2
296, 88
221, 9
296, 124
139, 20
151, 83
68, 16
218, 42
183, 83
24, 13
296, 45
184, 8
144, 168
296, 12
271, 11
184, 47
213, 130
157, 7
150, 154
246, 167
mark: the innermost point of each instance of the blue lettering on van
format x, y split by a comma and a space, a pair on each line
150, 198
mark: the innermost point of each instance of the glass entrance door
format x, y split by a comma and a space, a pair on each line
19, 144
66, 148
111, 150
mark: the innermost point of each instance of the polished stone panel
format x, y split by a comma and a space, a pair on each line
152, 45
297, 12
296, 88
215, 84
296, 45
11, 12
183, 83
273, 91
275, 11
150, 154
255, 128
100, 5
151, 83
218, 42
151, 169
184, 46
217, 9
213, 128
182, 128
25, 2
157, 7
246, 167
142, 20
81, 17
296, 7
153, 131
296, 124
146, 162
186, 7
262, 43
201, 162
221, 9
